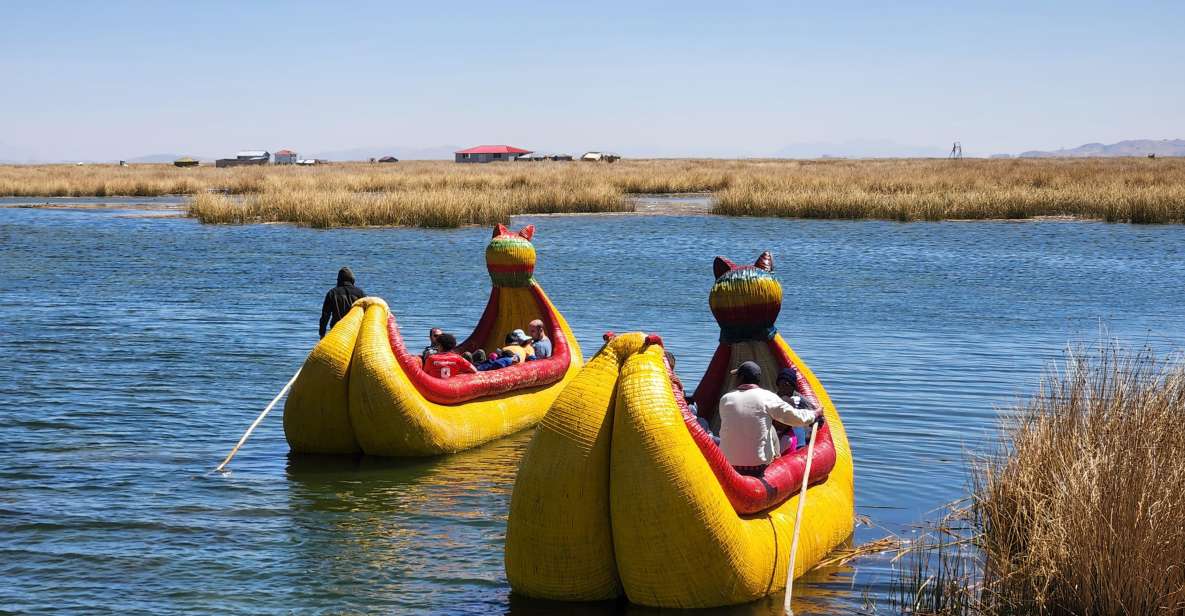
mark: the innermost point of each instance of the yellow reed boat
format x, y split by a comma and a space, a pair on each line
621, 491
362, 390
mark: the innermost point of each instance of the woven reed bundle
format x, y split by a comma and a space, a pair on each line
355, 393
559, 544
676, 540
316, 416
391, 417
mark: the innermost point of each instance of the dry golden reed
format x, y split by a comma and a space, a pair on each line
1080, 511
1116, 190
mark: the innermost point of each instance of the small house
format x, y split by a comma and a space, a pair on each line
249, 157
185, 161
600, 157
489, 154
286, 157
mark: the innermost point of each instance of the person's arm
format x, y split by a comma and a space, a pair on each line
326, 311
786, 413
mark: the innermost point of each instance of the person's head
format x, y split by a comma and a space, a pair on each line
345, 276
479, 356
433, 334
446, 342
749, 373
467, 356
518, 336
535, 329
787, 381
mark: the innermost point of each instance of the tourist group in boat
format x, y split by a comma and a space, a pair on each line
624, 446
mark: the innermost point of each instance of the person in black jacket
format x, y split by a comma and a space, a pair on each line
339, 299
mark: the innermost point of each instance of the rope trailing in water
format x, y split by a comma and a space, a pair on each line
806, 476
255, 423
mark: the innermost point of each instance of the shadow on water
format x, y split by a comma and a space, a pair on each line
823, 591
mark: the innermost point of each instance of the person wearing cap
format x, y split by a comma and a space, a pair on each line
792, 438
339, 299
747, 414
518, 343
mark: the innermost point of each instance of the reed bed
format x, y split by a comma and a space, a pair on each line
1115, 190
1082, 509
433, 208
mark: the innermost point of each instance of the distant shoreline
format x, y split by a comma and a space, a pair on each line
447, 194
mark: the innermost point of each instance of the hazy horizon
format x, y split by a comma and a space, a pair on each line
125, 80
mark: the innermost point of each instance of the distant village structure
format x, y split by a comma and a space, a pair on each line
242, 159
604, 157
489, 154
535, 158
286, 157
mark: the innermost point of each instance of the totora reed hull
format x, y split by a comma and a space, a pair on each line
619, 492
362, 390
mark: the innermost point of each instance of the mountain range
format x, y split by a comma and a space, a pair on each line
1131, 147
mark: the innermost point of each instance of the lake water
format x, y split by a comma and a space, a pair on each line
137, 348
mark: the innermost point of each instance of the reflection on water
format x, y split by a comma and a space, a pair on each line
138, 349
398, 526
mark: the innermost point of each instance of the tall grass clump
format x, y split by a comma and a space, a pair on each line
1081, 510
420, 207
1084, 511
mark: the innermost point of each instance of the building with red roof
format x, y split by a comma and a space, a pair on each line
285, 157
489, 153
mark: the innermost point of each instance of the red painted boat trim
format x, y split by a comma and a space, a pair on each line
782, 478
512, 268
468, 387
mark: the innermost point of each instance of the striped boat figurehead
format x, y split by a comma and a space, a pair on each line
745, 299
510, 257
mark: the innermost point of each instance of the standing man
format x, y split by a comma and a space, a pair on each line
747, 414
339, 299
542, 343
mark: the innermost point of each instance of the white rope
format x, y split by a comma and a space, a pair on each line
806, 475
255, 423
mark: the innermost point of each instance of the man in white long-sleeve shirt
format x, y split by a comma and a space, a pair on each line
747, 435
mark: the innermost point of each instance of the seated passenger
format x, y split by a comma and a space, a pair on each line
518, 343
445, 363
677, 383
433, 345
787, 385
540, 342
497, 361
747, 414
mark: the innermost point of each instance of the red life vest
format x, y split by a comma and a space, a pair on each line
445, 365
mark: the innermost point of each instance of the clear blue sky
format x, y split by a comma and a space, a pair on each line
108, 80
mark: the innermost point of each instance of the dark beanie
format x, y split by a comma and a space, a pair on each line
345, 276
788, 374
749, 372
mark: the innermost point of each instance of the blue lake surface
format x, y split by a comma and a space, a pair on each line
137, 349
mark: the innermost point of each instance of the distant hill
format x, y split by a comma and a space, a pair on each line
1132, 147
